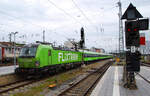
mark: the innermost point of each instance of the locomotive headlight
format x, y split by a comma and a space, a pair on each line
37, 63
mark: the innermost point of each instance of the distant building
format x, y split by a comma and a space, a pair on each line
68, 44
7, 50
100, 50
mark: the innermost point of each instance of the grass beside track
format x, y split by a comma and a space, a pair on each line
57, 79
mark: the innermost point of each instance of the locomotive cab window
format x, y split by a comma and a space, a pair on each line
28, 52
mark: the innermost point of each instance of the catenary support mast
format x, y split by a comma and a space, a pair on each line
121, 33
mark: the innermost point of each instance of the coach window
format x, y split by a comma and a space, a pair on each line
49, 52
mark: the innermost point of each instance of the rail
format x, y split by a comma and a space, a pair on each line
83, 87
146, 64
11, 86
143, 78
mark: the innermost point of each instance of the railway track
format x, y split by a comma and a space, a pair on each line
143, 77
84, 86
21, 83
146, 64
14, 85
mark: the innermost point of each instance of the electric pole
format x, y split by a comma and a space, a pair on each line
121, 38
43, 35
9, 37
54, 43
121, 33
14, 33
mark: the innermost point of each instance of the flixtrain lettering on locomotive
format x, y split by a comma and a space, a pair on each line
67, 56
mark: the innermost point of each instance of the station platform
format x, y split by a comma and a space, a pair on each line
112, 85
7, 70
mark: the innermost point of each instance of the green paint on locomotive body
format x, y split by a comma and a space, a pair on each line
45, 55
27, 62
41, 57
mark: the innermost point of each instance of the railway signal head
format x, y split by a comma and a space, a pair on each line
132, 33
82, 38
82, 33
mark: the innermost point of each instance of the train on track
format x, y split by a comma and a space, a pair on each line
36, 59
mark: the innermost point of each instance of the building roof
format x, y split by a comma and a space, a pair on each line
9, 44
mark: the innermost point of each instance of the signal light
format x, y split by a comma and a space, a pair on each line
129, 30
135, 29
132, 33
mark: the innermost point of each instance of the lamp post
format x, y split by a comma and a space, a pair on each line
14, 33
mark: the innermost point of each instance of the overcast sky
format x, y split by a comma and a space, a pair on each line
62, 19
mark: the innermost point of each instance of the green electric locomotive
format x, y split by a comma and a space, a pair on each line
35, 59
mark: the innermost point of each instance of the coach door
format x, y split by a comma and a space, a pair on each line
49, 57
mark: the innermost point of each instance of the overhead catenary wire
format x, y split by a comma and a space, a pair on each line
86, 17
64, 12
24, 19
70, 15
13, 18
82, 12
17, 18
